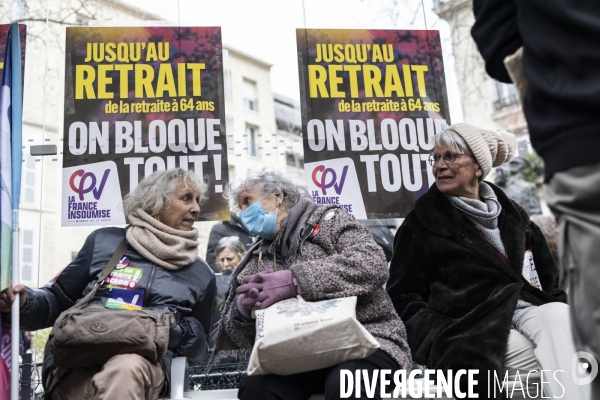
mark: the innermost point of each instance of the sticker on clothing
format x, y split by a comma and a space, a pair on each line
529, 272
124, 299
124, 276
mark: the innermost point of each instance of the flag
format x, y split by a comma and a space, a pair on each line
11, 102
10, 148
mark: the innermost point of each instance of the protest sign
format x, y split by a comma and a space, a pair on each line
138, 100
372, 100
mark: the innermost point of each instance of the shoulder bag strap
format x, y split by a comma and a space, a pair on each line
116, 257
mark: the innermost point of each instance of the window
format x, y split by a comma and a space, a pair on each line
249, 92
294, 160
252, 138
29, 184
290, 159
28, 264
506, 95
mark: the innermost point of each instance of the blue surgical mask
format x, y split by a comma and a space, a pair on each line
258, 221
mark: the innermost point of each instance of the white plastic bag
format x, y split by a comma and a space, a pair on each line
294, 336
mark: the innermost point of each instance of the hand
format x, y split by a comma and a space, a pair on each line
271, 287
7, 297
252, 279
245, 304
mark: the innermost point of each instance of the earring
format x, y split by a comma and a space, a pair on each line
278, 203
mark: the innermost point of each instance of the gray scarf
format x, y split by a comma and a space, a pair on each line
165, 246
484, 214
291, 229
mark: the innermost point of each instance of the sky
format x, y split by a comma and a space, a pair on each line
266, 29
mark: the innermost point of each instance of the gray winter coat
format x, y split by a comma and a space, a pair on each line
189, 290
341, 260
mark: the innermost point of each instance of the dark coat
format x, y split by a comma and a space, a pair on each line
384, 238
561, 54
234, 227
454, 292
189, 290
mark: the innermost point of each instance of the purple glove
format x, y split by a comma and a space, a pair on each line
253, 278
246, 300
245, 304
271, 286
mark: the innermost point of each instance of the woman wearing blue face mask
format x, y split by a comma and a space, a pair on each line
320, 252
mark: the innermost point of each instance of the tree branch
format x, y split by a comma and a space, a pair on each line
44, 20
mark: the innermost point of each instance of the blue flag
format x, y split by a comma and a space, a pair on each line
10, 149
11, 103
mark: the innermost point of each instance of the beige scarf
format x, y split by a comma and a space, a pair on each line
164, 246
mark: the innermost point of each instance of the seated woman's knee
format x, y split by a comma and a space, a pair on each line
553, 315
128, 364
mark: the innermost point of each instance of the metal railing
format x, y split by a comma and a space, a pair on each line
30, 379
224, 376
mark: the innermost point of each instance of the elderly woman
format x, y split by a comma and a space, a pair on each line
321, 252
164, 268
472, 277
229, 253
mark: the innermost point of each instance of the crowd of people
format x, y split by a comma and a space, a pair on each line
471, 284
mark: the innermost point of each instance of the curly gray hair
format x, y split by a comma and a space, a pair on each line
268, 181
452, 140
232, 243
152, 193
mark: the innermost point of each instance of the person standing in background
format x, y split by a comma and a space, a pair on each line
228, 253
551, 49
233, 227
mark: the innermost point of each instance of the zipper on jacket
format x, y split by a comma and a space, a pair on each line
149, 287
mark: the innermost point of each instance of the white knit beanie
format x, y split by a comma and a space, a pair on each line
491, 149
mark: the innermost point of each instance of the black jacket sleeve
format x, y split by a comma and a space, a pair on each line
196, 327
496, 33
44, 305
216, 233
409, 288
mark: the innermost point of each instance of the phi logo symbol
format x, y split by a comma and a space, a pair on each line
81, 188
328, 179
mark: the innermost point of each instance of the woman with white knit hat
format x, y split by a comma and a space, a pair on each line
473, 279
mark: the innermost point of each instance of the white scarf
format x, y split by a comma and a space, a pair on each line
165, 246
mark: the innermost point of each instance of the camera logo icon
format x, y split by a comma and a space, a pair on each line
584, 368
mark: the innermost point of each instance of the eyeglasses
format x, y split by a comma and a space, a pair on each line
448, 157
